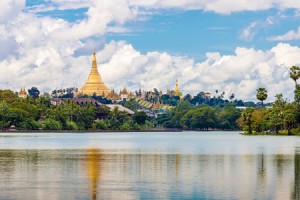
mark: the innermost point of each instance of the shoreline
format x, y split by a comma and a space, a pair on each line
87, 131
271, 134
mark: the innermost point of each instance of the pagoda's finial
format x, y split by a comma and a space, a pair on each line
94, 56
94, 52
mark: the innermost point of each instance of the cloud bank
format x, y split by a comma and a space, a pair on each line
53, 53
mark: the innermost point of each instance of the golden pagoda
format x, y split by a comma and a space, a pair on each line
177, 91
94, 83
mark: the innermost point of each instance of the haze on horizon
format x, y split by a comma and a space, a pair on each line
234, 46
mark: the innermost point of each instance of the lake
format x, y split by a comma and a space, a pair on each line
186, 165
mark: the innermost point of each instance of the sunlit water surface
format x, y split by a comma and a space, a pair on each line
187, 165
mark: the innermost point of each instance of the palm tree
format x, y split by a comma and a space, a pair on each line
261, 95
295, 73
231, 96
247, 118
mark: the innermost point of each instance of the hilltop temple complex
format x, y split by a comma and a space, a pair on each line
95, 85
95, 91
146, 100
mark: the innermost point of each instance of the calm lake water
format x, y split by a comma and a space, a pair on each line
187, 165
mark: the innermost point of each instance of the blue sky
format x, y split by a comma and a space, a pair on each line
234, 46
194, 32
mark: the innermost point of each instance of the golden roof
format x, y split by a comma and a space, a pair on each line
124, 91
94, 83
22, 92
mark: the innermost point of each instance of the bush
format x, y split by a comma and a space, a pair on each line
29, 124
136, 126
72, 126
125, 126
4, 124
52, 124
295, 130
101, 125
149, 124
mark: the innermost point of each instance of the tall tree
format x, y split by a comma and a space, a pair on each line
247, 119
297, 94
34, 92
289, 117
8, 96
4, 123
261, 95
295, 73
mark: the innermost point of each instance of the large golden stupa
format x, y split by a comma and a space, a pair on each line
94, 83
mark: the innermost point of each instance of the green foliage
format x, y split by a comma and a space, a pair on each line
295, 131
52, 124
140, 117
72, 126
261, 95
295, 73
200, 118
297, 94
132, 105
8, 96
4, 115
149, 125
101, 125
227, 117
34, 92
117, 118
32, 110
246, 121
58, 114
29, 124
86, 116
126, 126
169, 99
17, 116
289, 117
4, 124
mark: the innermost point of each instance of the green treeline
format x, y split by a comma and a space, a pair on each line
200, 118
37, 113
283, 117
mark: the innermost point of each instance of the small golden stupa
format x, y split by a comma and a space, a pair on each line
22, 93
177, 91
94, 83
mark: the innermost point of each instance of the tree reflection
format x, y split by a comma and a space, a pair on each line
296, 192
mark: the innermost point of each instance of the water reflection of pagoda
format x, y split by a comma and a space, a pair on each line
94, 168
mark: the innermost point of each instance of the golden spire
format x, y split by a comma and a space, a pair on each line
177, 86
94, 56
177, 91
94, 83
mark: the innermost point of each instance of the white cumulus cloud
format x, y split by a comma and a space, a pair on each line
290, 35
241, 73
10, 8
